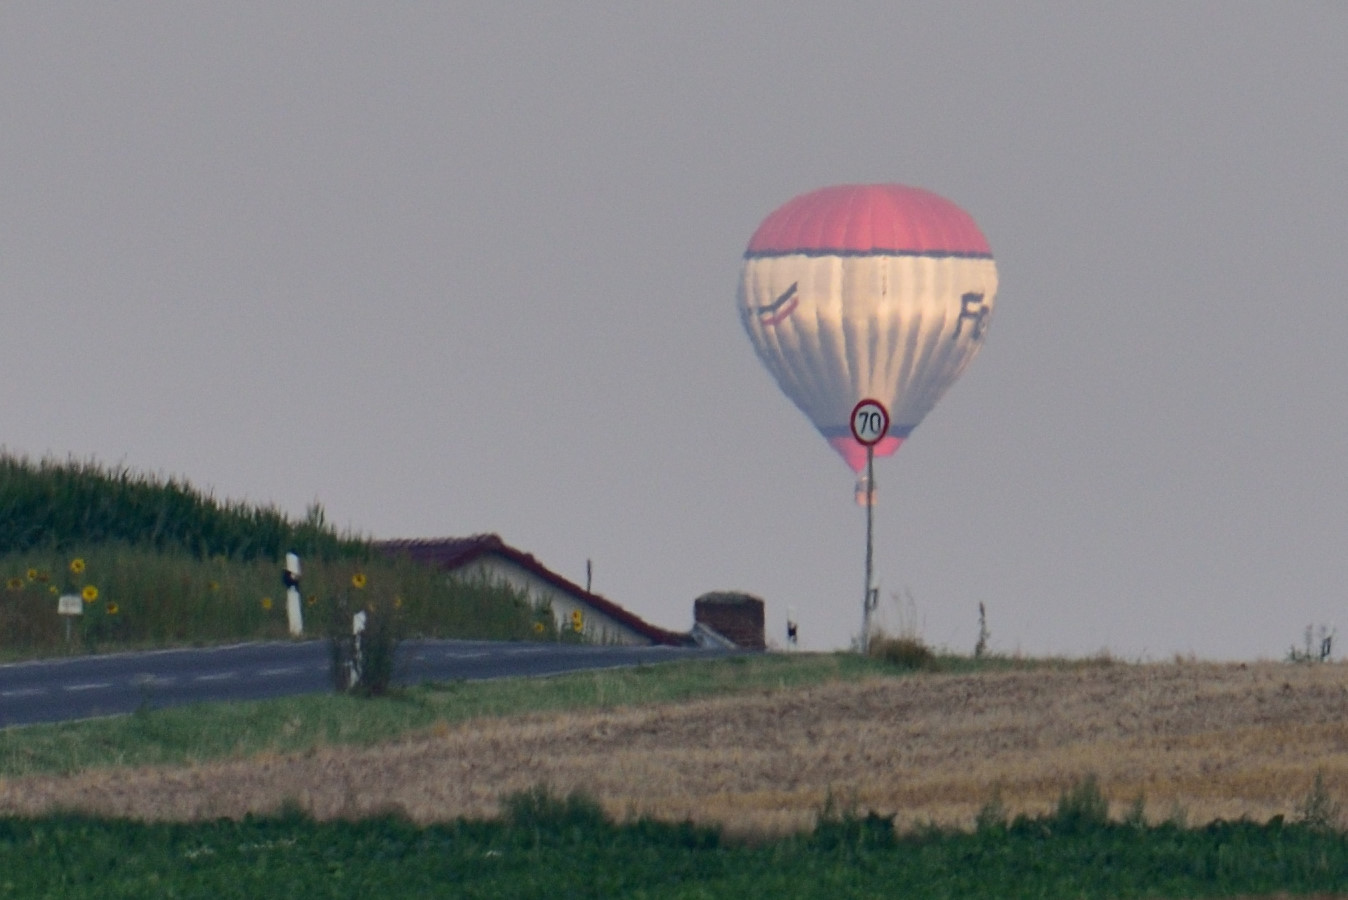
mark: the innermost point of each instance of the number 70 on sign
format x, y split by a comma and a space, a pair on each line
870, 422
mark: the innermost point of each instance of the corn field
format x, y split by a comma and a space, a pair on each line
61, 505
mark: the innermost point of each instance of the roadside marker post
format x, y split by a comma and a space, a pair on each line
290, 576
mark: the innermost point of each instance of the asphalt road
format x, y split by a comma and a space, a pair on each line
86, 686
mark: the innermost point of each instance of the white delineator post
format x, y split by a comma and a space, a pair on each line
294, 611
356, 665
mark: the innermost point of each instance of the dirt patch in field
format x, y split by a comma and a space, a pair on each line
1197, 741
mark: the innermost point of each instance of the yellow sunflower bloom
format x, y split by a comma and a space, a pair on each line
112, 608
15, 584
266, 603
398, 602
32, 574
358, 581
77, 565
538, 628
311, 599
90, 593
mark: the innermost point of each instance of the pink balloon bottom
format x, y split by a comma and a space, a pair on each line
854, 453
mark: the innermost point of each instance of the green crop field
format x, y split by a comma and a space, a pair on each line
549, 848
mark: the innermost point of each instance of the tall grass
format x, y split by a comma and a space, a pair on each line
55, 505
140, 597
158, 562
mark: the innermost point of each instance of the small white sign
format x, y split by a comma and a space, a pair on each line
70, 605
870, 422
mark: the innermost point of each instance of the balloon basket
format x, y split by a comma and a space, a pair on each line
865, 492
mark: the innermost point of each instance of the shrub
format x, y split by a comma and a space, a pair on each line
903, 652
363, 660
1082, 806
1318, 810
841, 827
992, 815
539, 808
1136, 817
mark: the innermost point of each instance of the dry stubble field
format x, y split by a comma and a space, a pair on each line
1205, 741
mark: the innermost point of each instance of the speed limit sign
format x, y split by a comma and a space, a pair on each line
870, 422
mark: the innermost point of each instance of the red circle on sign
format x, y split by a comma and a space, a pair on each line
870, 422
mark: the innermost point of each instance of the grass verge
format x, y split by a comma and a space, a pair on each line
291, 725
134, 597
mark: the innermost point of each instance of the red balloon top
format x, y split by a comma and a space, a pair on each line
864, 219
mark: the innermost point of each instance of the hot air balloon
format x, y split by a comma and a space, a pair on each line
867, 291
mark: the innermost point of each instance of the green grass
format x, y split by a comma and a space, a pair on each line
295, 724
563, 849
160, 563
152, 598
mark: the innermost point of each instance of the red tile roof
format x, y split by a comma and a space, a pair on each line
448, 554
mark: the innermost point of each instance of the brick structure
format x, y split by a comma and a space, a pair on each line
735, 616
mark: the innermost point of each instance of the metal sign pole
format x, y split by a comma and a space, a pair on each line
870, 545
870, 424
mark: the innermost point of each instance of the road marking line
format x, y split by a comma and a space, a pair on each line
90, 686
219, 676
288, 670
23, 692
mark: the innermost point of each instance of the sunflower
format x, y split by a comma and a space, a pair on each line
90, 593
266, 603
311, 600
214, 586
32, 574
77, 565
15, 584
398, 602
358, 581
538, 628
52, 589
112, 608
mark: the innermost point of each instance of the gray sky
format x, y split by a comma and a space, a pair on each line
471, 267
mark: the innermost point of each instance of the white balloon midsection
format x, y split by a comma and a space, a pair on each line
834, 329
